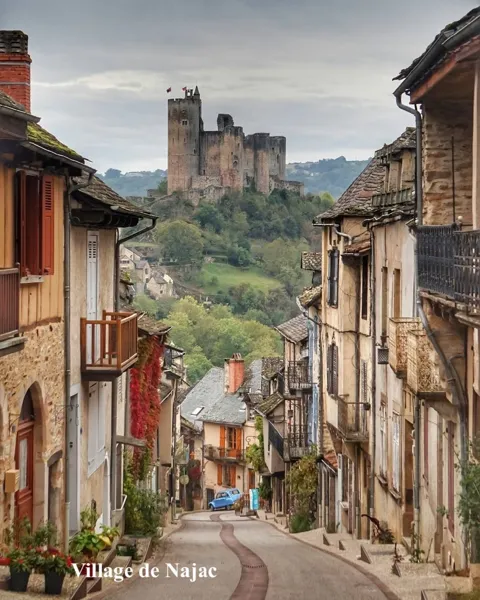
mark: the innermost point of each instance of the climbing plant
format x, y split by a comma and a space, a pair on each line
468, 507
302, 485
255, 452
145, 403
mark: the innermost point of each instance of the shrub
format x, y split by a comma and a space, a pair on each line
300, 522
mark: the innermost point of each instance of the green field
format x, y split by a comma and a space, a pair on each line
229, 276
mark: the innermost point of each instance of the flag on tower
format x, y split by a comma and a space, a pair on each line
184, 89
169, 90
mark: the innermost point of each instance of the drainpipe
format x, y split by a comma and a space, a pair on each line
373, 432
70, 188
357, 400
113, 433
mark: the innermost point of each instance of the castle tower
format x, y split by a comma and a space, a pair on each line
184, 130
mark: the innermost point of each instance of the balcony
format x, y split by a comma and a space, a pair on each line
467, 270
397, 342
108, 346
9, 302
275, 438
296, 442
224, 454
392, 198
422, 370
352, 421
299, 377
436, 258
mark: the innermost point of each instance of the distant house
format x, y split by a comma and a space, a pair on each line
160, 285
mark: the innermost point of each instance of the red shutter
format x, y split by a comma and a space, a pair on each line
219, 474
32, 226
22, 194
47, 235
222, 436
238, 439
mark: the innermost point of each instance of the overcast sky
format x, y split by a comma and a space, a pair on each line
317, 71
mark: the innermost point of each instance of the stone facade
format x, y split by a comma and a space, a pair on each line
208, 164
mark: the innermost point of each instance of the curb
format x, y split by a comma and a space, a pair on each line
383, 587
128, 582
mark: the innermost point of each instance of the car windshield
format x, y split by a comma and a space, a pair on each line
221, 495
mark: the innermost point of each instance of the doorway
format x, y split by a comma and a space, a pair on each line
24, 455
73, 425
408, 462
92, 296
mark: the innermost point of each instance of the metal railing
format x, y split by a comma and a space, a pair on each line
109, 345
352, 420
467, 269
297, 436
436, 258
9, 302
299, 375
219, 453
275, 438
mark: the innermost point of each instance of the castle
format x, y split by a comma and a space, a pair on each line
208, 164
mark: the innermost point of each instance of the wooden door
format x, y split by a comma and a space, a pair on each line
24, 462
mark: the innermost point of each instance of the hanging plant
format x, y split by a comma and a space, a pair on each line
145, 402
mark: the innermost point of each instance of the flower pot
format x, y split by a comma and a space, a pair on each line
54, 583
19, 581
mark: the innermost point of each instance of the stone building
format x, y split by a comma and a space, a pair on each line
208, 164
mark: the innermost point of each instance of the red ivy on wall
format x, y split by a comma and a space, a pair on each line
145, 401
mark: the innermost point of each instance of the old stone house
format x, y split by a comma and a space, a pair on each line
216, 408
442, 368
160, 285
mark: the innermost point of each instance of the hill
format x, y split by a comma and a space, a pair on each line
331, 175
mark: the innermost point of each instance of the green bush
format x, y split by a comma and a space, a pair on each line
300, 522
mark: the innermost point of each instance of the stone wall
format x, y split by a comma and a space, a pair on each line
442, 121
39, 367
280, 184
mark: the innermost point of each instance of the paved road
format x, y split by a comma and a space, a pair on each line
254, 561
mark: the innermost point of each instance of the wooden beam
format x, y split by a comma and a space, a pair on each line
130, 441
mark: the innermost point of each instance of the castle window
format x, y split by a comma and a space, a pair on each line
184, 122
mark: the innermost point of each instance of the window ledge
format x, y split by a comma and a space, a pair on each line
32, 279
12, 344
383, 482
344, 506
395, 495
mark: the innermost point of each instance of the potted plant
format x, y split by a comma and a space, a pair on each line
108, 534
86, 545
54, 565
20, 569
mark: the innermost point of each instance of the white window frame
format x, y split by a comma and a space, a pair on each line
396, 462
383, 439
96, 427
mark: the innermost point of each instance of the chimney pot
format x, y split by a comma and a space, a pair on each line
234, 371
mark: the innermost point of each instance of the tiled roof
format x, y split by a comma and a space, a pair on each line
270, 404
43, 138
205, 392
356, 200
147, 324
436, 49
310, 295
294, 330
404, 142
260, 370
312, 261
8, 102
229, 409
271, 366
360, 244
99, 191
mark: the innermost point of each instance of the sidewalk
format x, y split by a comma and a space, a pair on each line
410, 581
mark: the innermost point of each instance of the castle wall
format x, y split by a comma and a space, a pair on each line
232, 158
210, 154
278, 155
248, 160
262, 162
297, 187
184, 117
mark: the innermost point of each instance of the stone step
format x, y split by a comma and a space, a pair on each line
434, 595
94, 585
405, 568
374, 553
121, 561
333, 539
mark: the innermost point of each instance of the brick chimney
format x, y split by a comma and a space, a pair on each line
234, 370
15, 66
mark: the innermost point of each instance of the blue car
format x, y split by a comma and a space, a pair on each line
225, 499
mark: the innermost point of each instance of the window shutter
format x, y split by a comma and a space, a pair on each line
329, 369
219, 474
335, 276
222, 436
335, 369
32, 218
363, 384
22, 233
329, 278
101, 421
233, 475
238, 439
47, 230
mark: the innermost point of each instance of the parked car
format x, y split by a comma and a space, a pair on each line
225, 499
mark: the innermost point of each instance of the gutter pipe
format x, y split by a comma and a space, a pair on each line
113, 432
69, 190
373, 329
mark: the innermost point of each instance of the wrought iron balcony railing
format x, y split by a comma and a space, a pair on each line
467, 269
275, 439
296, 442
9, 302
224, 454
397, 342
299, 376
352, 421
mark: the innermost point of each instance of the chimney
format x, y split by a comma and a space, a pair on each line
15, 66
234, 370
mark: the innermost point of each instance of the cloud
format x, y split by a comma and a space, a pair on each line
316, 71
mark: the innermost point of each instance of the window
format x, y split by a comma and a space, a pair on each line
184, 122
396, 451
333, 260
34, 207
383, 438
397, 294
384, 303
364, 283
226, 475
197, 411
96, 427
332, 369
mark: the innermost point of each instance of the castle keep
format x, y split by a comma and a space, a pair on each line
207, 164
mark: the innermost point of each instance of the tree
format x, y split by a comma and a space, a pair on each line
197, 365
209, 217
163, 187
181, 242
145, 304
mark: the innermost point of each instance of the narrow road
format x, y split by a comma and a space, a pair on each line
253, 561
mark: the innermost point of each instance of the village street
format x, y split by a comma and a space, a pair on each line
253, 560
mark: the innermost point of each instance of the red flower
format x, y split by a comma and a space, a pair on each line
69, 562
4, 561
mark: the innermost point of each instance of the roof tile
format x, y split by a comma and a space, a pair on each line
295, 329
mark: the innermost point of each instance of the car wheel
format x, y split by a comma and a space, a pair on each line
211, 507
